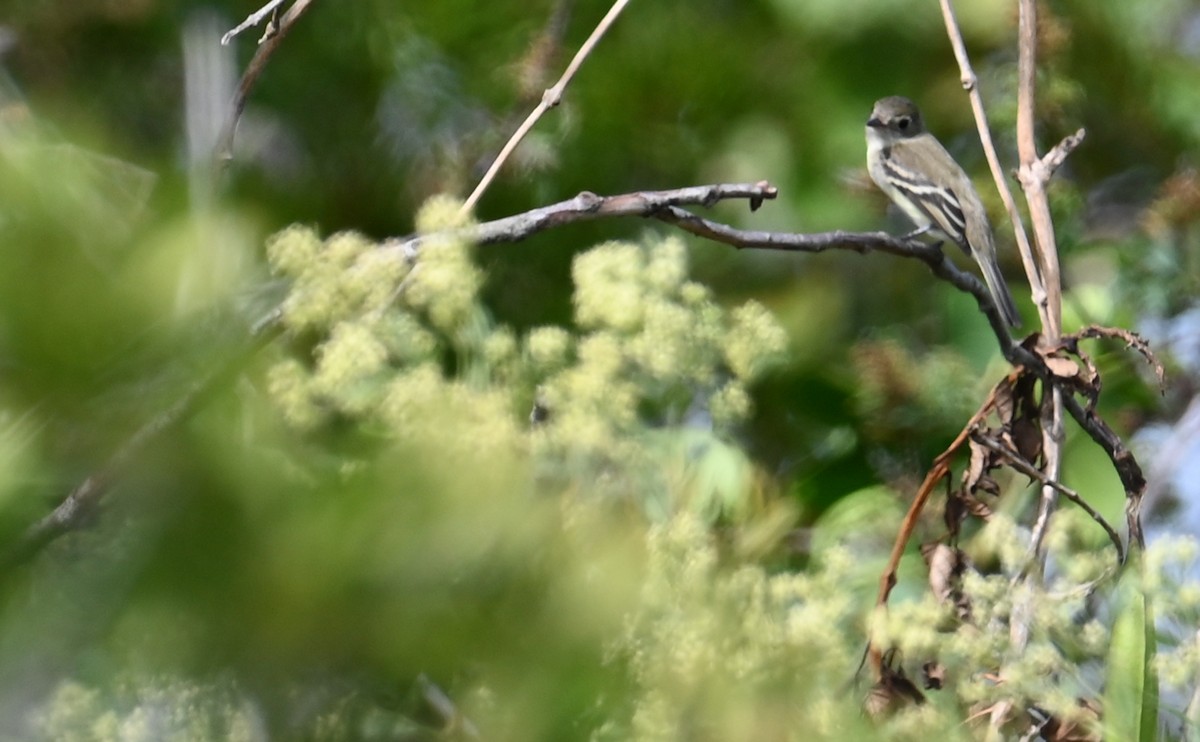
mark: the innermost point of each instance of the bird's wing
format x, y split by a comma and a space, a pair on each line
939, 202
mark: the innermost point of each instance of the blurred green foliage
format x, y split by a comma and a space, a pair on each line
686, 541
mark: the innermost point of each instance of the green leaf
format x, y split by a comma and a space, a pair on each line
1131, 690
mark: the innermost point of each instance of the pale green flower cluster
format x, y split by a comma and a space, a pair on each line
655, 347
445, 283
449, 417
500, 348
381, 326
709, 648
141, 708
652, 352
349, 370
754, 342
350, 357
344, 277
1067, 637
730, 404
548, 349
349, 277
294, 250
735, 651
671, 330
1169, 562
655, 344
441, 213
288, 383
610, 286
1045, 673
709, 645
1180, 667
379, 323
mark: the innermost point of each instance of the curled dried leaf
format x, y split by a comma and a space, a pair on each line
946, 568
1026, 436
940, 560
1064, 368
1132, 340
977, 467
1004, 400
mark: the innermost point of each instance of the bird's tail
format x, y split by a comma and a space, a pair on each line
1000, 293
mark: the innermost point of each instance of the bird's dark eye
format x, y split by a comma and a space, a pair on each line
903, 122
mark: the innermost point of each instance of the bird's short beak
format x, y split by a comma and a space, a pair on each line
874, 122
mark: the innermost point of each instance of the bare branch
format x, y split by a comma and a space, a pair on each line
1055, 157
253, 19
551, 98
1048, 295
1123, 460
588, 206
267, 48
1043, 274
1052, 438
970, 84
1018, 462
664, 206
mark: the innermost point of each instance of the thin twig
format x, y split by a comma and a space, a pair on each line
1054, 159
268, 47
253, 19
971, 85
1018, 462
551, 98
1052, 438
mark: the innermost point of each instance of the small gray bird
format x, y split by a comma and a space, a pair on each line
919, 175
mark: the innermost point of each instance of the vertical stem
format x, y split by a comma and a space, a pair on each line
970, 84
1033, 174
